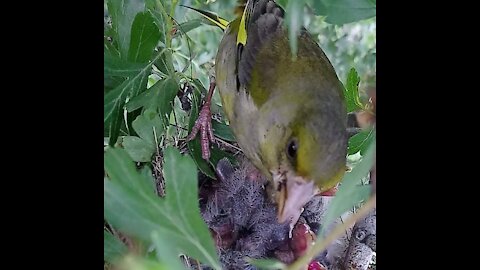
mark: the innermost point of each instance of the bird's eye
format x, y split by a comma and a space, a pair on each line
292, 148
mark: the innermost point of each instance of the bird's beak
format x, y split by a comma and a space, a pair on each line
293, 193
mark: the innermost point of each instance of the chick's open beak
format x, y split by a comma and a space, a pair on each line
294, 193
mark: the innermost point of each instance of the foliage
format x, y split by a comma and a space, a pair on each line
159, 56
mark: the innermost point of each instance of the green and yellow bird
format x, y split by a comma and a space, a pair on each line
288, 115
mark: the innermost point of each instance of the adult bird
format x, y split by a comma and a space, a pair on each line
288, 114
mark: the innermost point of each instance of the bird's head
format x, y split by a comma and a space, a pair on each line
303, 145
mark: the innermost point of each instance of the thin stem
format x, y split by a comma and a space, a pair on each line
228, 144
168, 33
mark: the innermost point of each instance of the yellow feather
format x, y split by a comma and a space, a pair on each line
242, 29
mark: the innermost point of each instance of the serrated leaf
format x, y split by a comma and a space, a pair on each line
176, 217
351, 91
294, 19
267, 264
138, 149
360, 141
147, 125
144, 38
181, 174
113, 248
351, 191
123, 13
347, 11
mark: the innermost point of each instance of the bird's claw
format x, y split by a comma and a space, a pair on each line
204, 124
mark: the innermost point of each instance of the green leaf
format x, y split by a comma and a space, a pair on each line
138, 149
113, 248
347, 11
199, 90
195, 150
109, 47
351, 91
114, 101
139, 213
114, 66
148, 99
121, 170
185, 27
360, 141
350, 192
223, 131
160, 22
165, 253
144, 38
181, 174
166, 96
294, 19
160, 96
147, 125
319, 8
267, 264
149, 181
216, 155
110, 83
123, 13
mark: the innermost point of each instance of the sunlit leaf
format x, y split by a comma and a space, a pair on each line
351, 91
360, 141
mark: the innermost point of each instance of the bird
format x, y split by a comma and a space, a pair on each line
288, 114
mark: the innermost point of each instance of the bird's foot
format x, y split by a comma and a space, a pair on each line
204, 124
